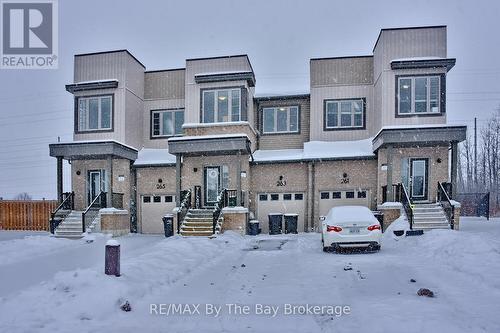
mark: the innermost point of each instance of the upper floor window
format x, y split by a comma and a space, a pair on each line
94, 113
344, 113
418, 94
222, 105
166, 122
280, 119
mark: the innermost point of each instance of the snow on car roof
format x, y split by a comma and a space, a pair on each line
350, 214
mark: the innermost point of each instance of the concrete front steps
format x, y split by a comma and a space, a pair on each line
429, 216
198, 222
71, 226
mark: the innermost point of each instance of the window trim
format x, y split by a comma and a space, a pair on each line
77, 116
288, 106
216, 112
442, 96
344, 128
154, 137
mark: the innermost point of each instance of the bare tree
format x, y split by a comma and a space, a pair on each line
23, 196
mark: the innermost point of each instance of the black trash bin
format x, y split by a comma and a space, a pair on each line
291, 221
275, 223
168, 225
253, 227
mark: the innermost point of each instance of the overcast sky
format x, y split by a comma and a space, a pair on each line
279, 36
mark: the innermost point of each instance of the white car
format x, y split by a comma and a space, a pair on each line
350, 226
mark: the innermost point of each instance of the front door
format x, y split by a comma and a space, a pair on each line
418, 178
212, 185
95, 185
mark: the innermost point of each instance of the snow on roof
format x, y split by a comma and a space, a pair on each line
212, 136
278, 155
344, 214
219, 124
338, 149
96, 81
318, 150
396, 127
96, 141
417, 59
223, 73
154, 156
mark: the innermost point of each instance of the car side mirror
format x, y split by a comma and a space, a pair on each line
322, 218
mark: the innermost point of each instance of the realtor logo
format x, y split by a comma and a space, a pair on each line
29, 34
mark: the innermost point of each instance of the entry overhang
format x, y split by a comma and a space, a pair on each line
209, 144
425, 135
92, 150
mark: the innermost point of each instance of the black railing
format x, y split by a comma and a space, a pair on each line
222, 201
117, 200
89, 215
407, 204
396, 193
67, 204
444, 199
185, 205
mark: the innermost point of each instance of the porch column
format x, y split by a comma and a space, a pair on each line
454, 168
109, 183
178, 180
59, 178
308, 223
238, 179
390, 192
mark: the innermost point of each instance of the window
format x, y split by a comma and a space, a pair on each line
349, 195
156, 199
166, 122
299, 196
146, 199
275, 197
361, 194
95, 113
280, 119
287, 196
418, 94
221, 105
347, 113
263, 197
325, 195
169, 198
336, 195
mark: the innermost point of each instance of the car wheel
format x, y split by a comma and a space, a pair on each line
375, 247
327, 249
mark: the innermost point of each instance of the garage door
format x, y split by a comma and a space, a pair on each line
335, 198
153, 208
286, 203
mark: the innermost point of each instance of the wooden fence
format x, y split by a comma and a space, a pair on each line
26, 215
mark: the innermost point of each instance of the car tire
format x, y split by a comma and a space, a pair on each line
375, 247
327, 249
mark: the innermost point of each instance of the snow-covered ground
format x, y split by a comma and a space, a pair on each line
58, 285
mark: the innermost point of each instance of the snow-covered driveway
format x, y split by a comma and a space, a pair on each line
462, 268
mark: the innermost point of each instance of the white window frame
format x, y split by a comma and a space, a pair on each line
161, 113
339, 113
216, 104
86, 121
413, 99
275, 114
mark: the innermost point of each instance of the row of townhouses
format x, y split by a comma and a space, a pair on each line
147, 142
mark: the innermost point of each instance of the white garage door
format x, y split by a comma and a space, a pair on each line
286, 203
335, 198
153, 208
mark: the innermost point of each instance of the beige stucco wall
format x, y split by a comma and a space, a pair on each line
121, 167
438, 172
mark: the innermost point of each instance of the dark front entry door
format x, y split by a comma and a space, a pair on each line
95, 181
212, 185
419, 182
